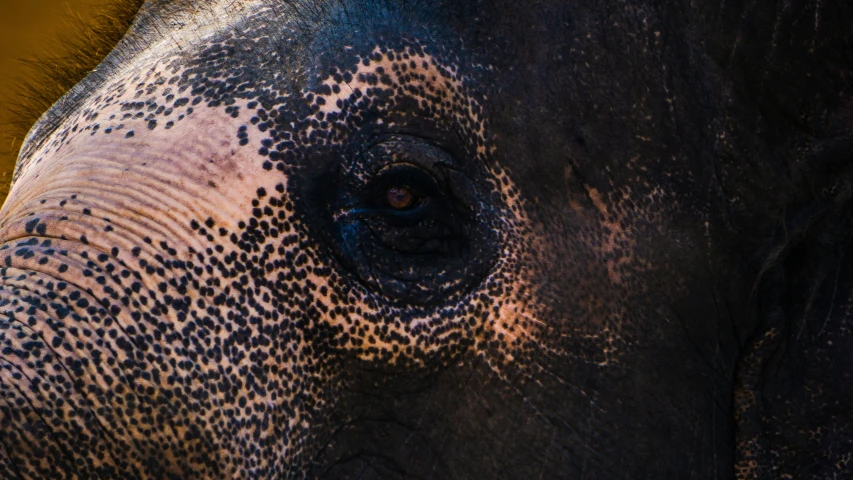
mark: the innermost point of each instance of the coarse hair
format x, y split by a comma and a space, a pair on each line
47, 77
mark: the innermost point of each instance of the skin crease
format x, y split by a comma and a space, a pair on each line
200, 280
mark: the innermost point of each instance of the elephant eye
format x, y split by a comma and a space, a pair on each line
401, 195
411, 222
399, 198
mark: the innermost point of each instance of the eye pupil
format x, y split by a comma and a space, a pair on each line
399, 198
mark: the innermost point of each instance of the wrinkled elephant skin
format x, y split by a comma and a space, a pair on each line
475, 239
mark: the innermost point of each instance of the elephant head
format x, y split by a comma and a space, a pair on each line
435, 239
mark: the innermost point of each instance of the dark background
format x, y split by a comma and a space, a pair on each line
30, 29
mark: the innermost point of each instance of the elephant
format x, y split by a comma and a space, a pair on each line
438, 239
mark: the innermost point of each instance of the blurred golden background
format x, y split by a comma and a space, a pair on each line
47, 44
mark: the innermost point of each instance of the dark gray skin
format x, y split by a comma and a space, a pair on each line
438, 240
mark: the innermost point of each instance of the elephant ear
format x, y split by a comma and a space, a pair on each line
786, 158
784, 127
793, 391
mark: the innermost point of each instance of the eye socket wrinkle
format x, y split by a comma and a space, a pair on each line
438, 245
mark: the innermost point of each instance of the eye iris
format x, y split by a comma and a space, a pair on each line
399, 198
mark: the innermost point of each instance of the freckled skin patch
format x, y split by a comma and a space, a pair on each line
238, 318
200, 278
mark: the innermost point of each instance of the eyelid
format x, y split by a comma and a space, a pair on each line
408, 175
392, 217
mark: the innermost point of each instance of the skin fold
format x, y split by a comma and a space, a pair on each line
476, 239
